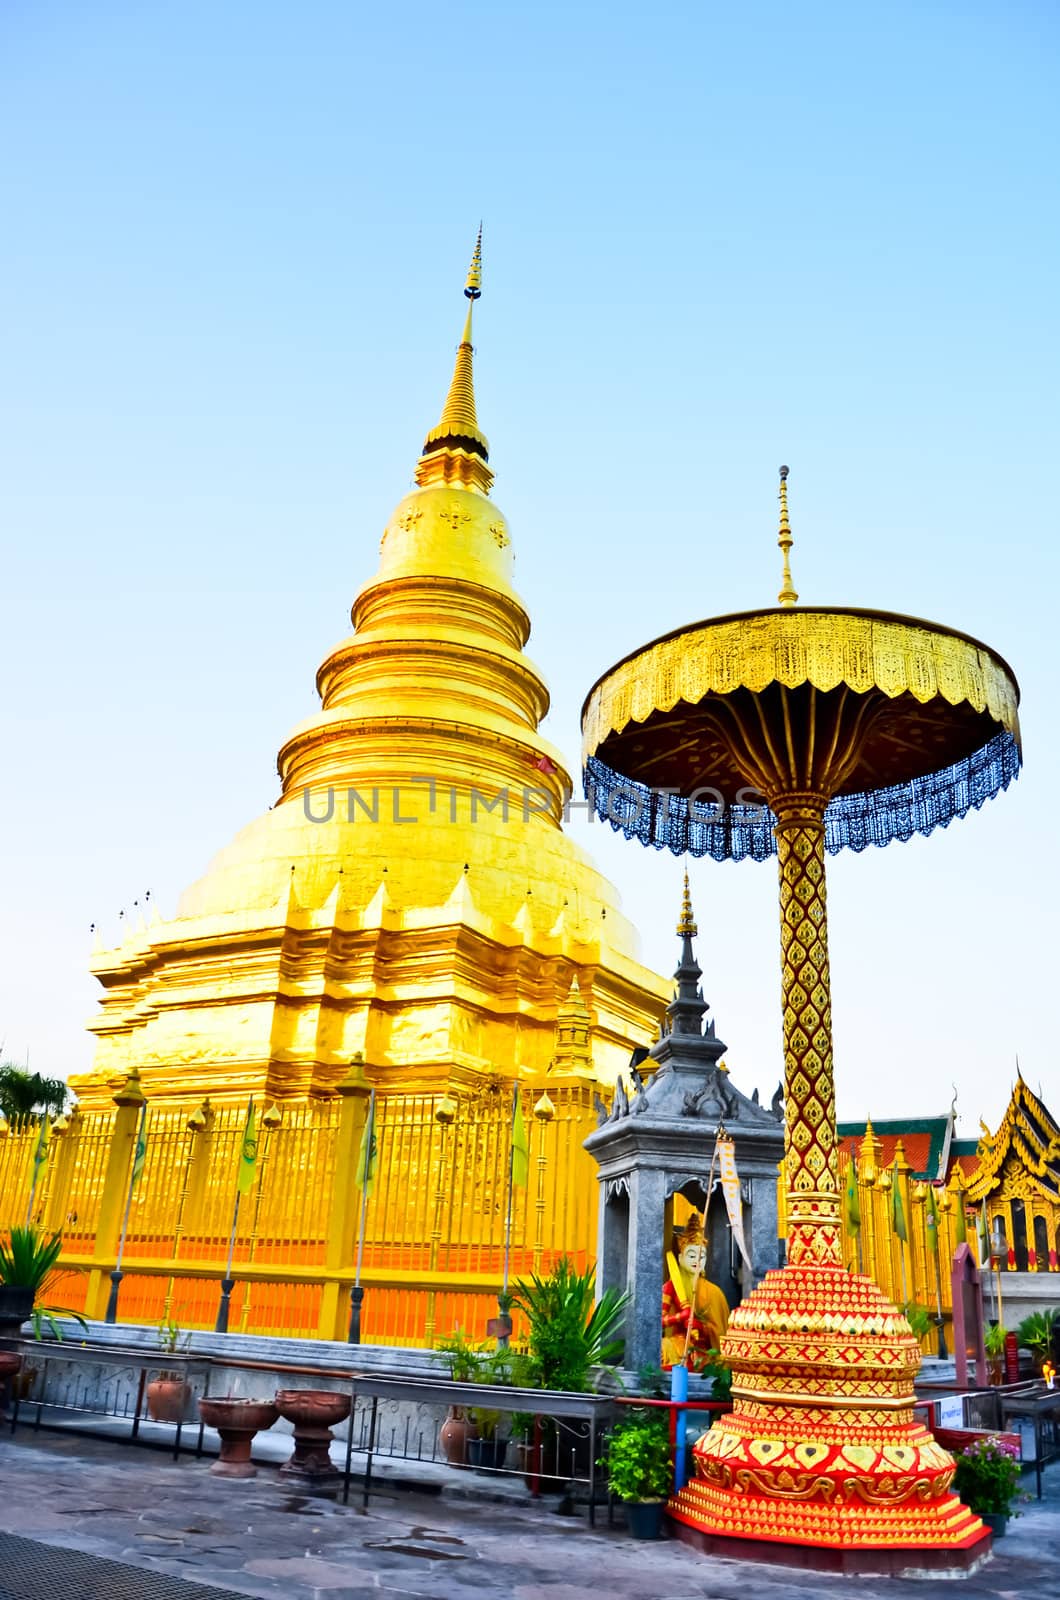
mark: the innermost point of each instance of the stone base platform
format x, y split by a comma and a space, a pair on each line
953, 1562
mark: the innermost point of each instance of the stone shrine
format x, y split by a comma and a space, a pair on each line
660, 1144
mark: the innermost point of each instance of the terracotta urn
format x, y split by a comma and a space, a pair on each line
312, 1412
455, 1434
167, 1398
237, 1421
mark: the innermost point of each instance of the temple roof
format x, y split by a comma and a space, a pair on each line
924, 1140
1028, 1137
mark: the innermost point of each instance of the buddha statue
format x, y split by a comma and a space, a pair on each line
688, 1294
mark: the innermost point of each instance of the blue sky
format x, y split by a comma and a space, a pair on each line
716, 239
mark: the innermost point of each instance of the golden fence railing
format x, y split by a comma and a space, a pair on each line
434, 1241
434, 1221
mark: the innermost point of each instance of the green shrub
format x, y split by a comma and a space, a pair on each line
719, 1372
638, 1462
27, 1257
570, 1330
1036, 1333
464, 1357
994, 1341
919, 1318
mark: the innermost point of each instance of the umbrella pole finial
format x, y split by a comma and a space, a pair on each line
787, 595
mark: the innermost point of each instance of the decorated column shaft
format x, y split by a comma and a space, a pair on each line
811, 1186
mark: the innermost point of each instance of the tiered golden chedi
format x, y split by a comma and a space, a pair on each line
412, 894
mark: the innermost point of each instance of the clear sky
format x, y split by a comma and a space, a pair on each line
716, 238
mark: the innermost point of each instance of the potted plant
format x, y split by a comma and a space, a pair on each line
640, 1470
488, 1451
1036, 1333
994, 1344
27, 1259
571, 1335
459, 1427
168, 1394
988, 1480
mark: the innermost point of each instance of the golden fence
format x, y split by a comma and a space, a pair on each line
433, 1253
434, 1224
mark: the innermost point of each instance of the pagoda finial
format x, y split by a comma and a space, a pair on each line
686, 927
687, 1008
473, 285
456, 450
787, 595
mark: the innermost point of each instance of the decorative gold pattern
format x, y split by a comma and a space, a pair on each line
864, 650
823, 1370
812, 1189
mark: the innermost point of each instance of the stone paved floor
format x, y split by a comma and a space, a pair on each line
137, 1506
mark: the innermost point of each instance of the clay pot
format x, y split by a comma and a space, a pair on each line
10, 1362
312, 1412
237, 1421
456, 1431
167, 1399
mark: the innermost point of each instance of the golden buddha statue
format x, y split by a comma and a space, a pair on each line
688, 1295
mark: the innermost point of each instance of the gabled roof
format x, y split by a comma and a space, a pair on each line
923, 1139
964, 1153
1027, 1133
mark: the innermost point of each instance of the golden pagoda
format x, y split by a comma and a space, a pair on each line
411, 895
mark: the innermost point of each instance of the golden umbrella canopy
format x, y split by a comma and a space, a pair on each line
899, 723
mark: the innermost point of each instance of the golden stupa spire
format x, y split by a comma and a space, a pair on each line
456, 450
787, 595
686, 926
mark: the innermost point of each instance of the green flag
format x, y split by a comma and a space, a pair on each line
248, 1156
40, 1154
853, 1199
140, 1155
982, 1236
520, 1147
931, 1218
960, 1221
897, 1209
369, 1151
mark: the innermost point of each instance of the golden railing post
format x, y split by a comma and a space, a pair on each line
870, 1152
270, 1121
444, 1113
544, 1112
902, 1169
340, 1244
60, 1168
196, 1124
129, 1100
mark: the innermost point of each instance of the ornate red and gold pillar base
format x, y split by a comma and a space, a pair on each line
821, 1449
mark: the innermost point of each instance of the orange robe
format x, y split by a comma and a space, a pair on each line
709, 1322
